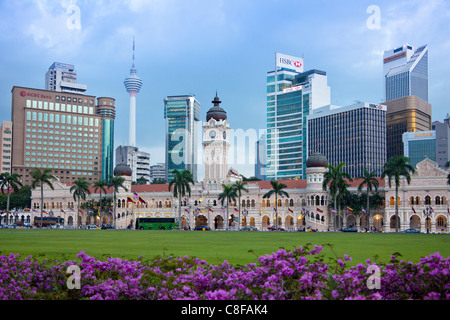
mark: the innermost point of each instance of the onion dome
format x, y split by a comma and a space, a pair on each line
122, 169
316, 160
216, 112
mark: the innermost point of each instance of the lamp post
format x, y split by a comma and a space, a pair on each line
427, 213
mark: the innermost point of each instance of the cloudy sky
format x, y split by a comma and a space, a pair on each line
200, 46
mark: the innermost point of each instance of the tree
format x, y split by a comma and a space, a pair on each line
181, 186
277, 189
336, 181
369, 180
79, 190
9, 180
116, 182
159, 181
239, 187
100, 185
140, 181
394, 169
41, 177
228, 194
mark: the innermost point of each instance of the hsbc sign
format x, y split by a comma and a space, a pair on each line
288, 62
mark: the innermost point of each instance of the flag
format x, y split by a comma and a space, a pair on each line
363, 210
236, 210
431, 209
129, 199
349, 209
334, 211
186, 210
141, 200
290, 210
135, 195
27, 210
318, 209
413, 210
79, 211
63, 211
210, 210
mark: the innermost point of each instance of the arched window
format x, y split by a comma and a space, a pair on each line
440, 221
437, 200
417, 200
392, 201
291, 202
411, 201
427, 200
253, 203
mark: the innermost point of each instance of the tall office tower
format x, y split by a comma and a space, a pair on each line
182, 114
406, 72
261, 157
292, 95
6, 146
407, 114
61, 77
355, 135
215, 144
138, 161
419, 145
133, 85
60, 131
442, 141
106, 110
158, 171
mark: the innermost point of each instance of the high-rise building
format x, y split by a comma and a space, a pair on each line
261, 158
65, 132
292, 94
6, 146
158, 171
406, 72
355, 135
182, 114
133, 85
442, 141
138, 161
419, 145
61, 77
407, 114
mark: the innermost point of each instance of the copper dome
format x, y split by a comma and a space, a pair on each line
316, 160
216, 112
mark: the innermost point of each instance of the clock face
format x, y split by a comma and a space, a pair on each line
224, 135
212, 134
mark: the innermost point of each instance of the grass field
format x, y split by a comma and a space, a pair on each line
214, 247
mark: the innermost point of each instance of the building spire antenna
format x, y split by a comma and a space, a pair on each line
133, 51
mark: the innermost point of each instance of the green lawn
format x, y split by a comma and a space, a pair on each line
215, 247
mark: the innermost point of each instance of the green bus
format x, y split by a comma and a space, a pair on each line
156, 224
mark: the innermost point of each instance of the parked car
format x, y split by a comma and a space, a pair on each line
107, 226
349, 230
273, 228
92, 226
411, 231
202, 228
249, 229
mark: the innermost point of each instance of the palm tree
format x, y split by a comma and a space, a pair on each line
371, 183
80, 190
41, 178
181, 187
9, 180
277, 189
396, 168
239, 187
100, 185
228, 194
338, 183
116, 182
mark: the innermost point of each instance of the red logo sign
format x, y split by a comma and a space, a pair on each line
23, 93
297, 64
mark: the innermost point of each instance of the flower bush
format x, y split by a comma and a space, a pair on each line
297, 274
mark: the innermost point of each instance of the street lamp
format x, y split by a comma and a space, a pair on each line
427, 213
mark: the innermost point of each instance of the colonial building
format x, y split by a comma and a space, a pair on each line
423, 204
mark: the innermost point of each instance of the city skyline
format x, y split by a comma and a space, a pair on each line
203, 46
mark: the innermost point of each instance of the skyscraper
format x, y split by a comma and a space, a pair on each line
419, 145
442, 140
292, 95
6, 146
138, 161
182, 114
406, 72
61, 77
355, 135
133, 85
61, 131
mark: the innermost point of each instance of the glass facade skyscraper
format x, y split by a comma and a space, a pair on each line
291, 96
355, 135
419, 145
182, 114
406, 72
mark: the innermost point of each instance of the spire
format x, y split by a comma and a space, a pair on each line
133, 53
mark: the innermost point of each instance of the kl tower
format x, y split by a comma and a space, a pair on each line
132, 84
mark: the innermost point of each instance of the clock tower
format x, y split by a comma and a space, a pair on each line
215, 144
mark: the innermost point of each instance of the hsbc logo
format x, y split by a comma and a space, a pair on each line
298, 64
289, 62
